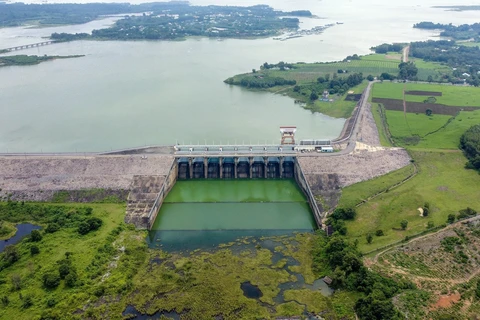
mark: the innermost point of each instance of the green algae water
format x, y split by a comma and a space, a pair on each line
206, 213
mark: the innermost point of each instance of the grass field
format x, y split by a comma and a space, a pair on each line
449, 137
420, 132
451, 95
53, 247
442, 181
408, 124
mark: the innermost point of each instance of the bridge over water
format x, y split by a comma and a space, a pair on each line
28, 46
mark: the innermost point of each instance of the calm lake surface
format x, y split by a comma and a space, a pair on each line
125, 94
204, 213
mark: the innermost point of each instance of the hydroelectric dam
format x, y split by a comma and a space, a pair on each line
143, 177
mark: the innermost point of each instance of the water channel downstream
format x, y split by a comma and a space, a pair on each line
125, 94
205, 213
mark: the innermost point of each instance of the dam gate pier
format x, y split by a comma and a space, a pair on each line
242, 167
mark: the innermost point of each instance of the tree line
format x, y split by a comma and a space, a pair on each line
385, 48
461, 32
470, 144
341, 260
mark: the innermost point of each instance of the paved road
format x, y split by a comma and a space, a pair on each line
405, 54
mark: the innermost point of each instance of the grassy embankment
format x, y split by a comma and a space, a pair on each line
442, 180
115, 269
307, 73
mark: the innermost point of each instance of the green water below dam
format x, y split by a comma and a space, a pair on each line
206, 213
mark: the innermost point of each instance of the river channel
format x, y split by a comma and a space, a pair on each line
125, 94
205, 213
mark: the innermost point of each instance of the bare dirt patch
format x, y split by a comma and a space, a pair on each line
393, 57
424, 93
420, 107
446, 301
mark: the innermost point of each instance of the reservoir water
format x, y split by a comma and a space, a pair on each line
125, 94
205, 213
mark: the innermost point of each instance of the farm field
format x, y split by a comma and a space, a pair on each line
374, 64
451, 95
442, 181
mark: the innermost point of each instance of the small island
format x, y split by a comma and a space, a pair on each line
174, 22
25, 60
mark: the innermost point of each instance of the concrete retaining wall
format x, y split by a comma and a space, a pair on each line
303, 184
167, 186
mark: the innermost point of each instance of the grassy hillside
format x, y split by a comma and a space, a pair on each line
442, 180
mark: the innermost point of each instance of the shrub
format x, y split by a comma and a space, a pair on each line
465, 213
451, 218
34, 250
35, 236
344, 214
99, 291
5, 300
71, 279
16, 281
10, 255
379, 233
51, 280
83, 228
369, 238
51, 302
404, 224
27, 302
89, 225
52, 227
64, 270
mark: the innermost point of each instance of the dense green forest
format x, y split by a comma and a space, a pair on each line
181, 21
470, 144
462, 32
